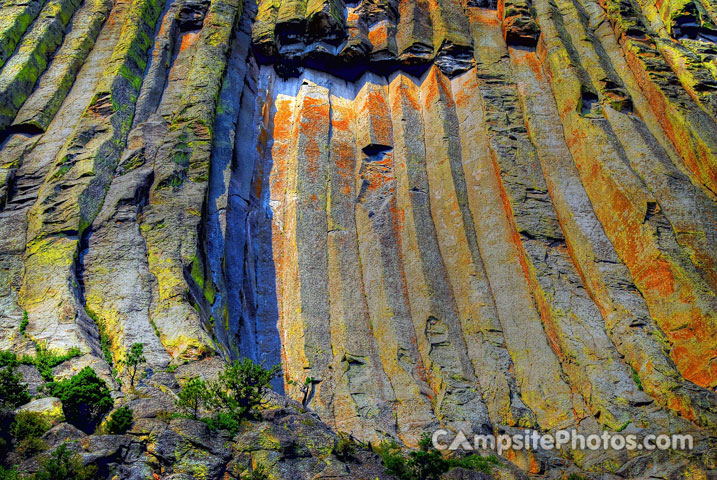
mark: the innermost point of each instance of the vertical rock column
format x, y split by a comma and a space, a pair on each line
18, 77
170, 223
359, 392
30, 159
378, 225
53, 87
607, 280
679, 299
538, 372
446, 263
304, 287
50, 291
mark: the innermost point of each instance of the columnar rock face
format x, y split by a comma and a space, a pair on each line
477, 215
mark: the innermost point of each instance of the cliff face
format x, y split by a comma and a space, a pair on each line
473, 215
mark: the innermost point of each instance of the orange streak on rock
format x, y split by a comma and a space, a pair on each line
188, 40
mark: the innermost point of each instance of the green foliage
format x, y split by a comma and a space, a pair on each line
45, 359
7, 416
13, 391
425, 443
30, 446
258, 473
63, 465
475, 462
193, 396
223, 421
240, 388
427, 463
636, 378
345, 447
575, 476
85, 399
9, 474
171, 368
8, 359
24, 323
236, 394
29, 425
133, 359
120, 421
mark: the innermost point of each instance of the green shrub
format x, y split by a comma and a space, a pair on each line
7, 416
120, 421
8, 359
13, 391
30, 446
85, 399
193, 396
223, 421
257, 473
345, 447
45, 359
427, 463
475, 462
240, 388
24, 323
29, 425
9, 474
62, 464
236, 394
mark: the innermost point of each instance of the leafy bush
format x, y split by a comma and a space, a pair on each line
345, 447
45, 359
85, 399
223, 421
475, 462
193, 395
62, 464
9, 474
13, 392
24, 323
427, 463
258, 473
120, 421
29, 425
8, 359
30, 446
240, 388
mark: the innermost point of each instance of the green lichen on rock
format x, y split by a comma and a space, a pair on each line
45, 101
15, 17
21, 72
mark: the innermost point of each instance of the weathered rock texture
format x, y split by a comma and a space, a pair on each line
481, 215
